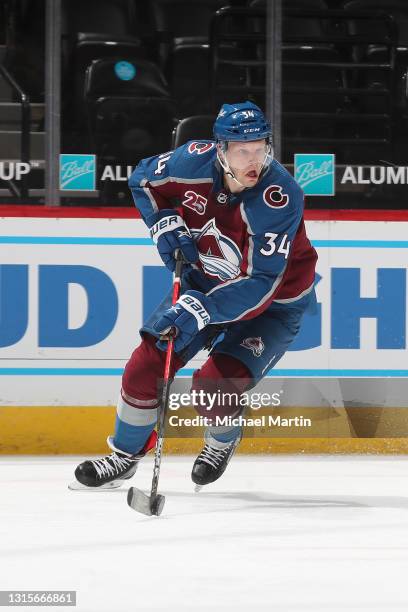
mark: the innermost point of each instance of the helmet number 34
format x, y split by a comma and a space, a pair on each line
283, 247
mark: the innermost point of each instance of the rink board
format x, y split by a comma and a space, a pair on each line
79, 288
83, 430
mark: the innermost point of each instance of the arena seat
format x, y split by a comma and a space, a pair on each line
111, 17
311, 86
237, 47
378, 52
193, 128
396, 8
334, 99
384, 51
92, 30
130, 114
183, 27
296, 25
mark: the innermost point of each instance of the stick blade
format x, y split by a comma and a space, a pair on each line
139, 501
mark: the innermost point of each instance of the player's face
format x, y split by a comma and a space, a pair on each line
246, 160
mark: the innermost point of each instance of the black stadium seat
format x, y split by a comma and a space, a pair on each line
193, 128
130, 112
397, 8
93, 29
310, 96
238, 57
378, 52
183, 26
89, 48
297, 26
96, 22
110, 17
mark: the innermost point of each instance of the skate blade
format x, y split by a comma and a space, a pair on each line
78, 486
198, 488
139, 501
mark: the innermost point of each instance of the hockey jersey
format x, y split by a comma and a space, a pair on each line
253, 246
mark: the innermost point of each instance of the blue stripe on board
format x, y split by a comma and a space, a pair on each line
323, 373
189, 371
379, 244
61, 371
74, 240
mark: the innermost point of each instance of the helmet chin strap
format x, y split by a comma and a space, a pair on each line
227, 169
231, 174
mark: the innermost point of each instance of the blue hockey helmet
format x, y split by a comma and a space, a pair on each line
243, 121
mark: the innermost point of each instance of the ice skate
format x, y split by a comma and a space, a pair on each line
109, 472
211, 463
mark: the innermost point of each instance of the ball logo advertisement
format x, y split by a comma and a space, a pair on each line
77, 172
315, 173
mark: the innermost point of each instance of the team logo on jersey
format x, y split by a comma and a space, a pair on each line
222, 197
195, 201
219, 255
255, 345
200, 147
274, 197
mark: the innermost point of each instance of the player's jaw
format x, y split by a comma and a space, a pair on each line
249, 176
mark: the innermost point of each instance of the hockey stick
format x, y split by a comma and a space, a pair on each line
136, 499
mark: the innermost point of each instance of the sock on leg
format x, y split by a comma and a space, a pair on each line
225, 434
134, 424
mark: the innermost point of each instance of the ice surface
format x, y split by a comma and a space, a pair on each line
274, 533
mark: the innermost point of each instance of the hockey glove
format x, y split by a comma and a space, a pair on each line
169, 233
188, 316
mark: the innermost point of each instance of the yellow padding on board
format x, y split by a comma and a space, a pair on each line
60, 430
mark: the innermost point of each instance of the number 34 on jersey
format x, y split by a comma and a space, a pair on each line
271, 246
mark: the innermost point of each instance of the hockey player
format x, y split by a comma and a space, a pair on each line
236, 215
